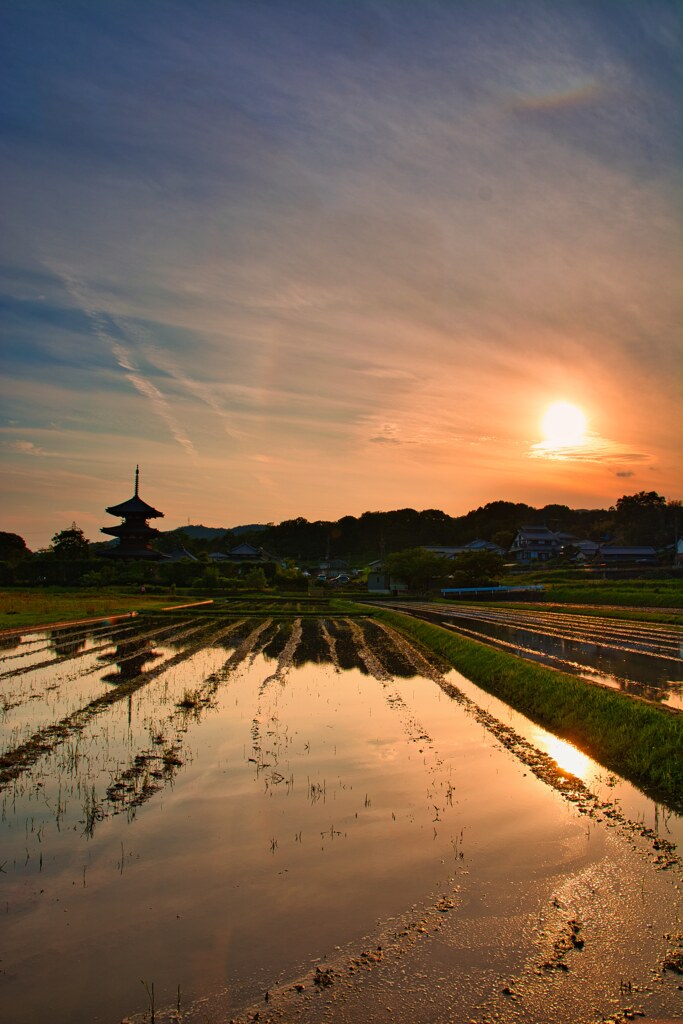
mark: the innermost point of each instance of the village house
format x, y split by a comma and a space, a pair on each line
464, 549
535, 544
380, 582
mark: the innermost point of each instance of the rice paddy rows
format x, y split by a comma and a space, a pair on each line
657, 641
95, 739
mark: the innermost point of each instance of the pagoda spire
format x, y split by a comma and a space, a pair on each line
137, 479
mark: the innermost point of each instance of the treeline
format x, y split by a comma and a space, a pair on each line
646, 518
643, 518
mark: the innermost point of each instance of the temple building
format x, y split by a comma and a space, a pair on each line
134, 533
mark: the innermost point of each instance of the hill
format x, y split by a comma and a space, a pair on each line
211, 532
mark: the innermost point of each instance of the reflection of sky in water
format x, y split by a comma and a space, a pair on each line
305, 809
605, 784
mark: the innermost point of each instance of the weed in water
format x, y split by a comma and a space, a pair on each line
150, 995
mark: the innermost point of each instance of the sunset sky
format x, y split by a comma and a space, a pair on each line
316, 258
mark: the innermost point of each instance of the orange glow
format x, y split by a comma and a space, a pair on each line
567, 756
563, 425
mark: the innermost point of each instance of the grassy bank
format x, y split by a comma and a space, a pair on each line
639, 593
24, 608
37, 607
641, 742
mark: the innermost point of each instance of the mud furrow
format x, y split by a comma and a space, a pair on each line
157, 765
284, 661
624, 642
13, 763
27, 649
55, 662
585, 630
371, 662
331, 646
65, 679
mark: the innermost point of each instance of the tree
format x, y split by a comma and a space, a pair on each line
418, 567
640, 518
255, 579
12, 548
477, 569
70, 545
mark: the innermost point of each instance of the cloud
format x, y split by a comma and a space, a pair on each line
145, 387
101, 326
625, 472
383, 440
199, 389
593, 449
25, 448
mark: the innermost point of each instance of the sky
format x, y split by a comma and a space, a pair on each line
318, 258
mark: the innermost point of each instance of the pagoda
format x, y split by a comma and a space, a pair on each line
134, 533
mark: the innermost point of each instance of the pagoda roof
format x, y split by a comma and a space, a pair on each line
130, 530
135, 506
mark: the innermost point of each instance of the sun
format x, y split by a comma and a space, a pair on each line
563, 425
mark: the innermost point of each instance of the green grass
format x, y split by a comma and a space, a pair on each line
637, 740
639, 593
648, 596
23, 608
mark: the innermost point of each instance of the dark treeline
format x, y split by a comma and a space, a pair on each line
644, 518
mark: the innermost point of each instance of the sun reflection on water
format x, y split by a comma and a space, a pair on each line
567, 756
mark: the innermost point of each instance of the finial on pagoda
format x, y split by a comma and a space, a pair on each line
137, 478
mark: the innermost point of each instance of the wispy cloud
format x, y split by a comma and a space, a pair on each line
593, 449
25, 448
143, 385
165, 362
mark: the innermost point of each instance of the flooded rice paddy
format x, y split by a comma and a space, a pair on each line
306, 820
645, 660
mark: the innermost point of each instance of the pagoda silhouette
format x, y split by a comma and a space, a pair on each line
134, 533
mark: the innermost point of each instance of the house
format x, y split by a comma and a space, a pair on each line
179, 555
243, 554
445, 552
464, 549
382, 583
587, 549
610, 554
535, 544
485, 545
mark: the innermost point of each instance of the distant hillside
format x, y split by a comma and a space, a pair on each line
210, 532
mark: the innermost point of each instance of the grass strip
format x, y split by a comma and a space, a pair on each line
635, 594
21, 608
637, 740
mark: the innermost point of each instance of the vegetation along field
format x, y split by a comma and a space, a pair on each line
279, 810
